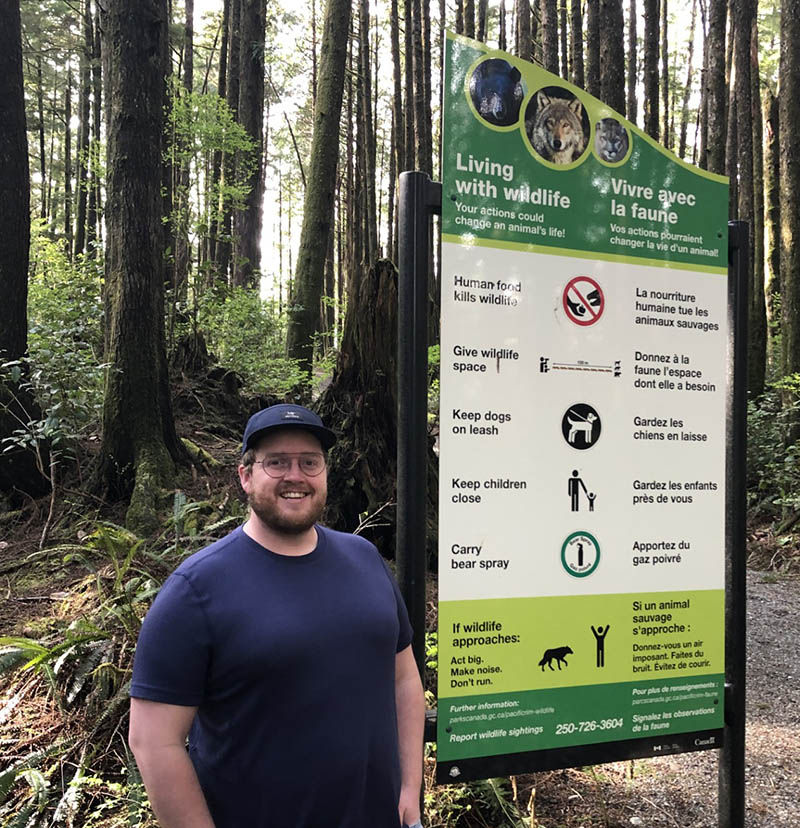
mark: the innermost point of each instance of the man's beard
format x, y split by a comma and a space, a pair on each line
268, 511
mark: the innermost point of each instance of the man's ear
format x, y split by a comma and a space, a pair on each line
245, 477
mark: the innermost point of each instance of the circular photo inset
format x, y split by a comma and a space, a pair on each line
557, 125
497, 91
611, 140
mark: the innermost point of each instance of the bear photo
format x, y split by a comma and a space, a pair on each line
496, 90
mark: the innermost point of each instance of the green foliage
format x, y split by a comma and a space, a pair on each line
773, 472
434, 360
63, 370
246, 335
199, 125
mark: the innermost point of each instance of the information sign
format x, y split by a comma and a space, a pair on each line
583, 430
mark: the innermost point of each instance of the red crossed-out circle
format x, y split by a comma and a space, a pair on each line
577, 290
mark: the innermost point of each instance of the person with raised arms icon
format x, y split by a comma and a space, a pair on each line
600, 635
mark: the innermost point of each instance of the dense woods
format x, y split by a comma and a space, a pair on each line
199, 206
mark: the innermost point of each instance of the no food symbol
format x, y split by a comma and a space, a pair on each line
583, 300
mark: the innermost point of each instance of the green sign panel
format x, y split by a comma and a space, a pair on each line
583, 446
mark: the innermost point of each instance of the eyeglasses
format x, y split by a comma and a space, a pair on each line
277, 465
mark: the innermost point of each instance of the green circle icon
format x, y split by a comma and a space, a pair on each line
580, 554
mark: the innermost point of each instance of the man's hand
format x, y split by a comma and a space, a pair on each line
157, 737
408, 807
410, 702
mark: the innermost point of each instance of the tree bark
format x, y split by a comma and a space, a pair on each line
84, 105
716, 95
688, 89
321, 187
18, 468
225, 241
576, 43
789, 115
550, 35
593, 47
757, 330
651, 68
666, 138
612, 55
772, 200
524, 31
68, 236
562, 39
247, 261
139, 439
632, 105
216, 164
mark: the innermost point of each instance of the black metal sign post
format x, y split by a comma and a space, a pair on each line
731, 760
419, 199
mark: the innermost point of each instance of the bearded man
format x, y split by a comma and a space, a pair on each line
283, 653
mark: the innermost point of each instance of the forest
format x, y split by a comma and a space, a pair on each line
200, 207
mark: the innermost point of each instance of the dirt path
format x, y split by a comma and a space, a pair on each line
681, 791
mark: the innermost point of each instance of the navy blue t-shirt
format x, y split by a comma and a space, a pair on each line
291, 664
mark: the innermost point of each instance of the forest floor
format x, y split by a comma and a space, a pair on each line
676, 791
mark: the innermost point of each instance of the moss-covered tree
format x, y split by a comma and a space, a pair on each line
139, 440
18, 470
321, 188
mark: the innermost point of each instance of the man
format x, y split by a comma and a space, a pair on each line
283, 652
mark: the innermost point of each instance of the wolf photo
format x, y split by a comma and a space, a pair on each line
496, 90
557, 125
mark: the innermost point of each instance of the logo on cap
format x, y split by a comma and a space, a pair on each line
291, 415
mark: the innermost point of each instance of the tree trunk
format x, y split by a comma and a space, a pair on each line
95, 207
483, 10
18, 468
562, 18
688, 89
593, 47
469, 17
524, 31
665, 84
501, 24
550, 35
225, 242
321, 187
68, 237
612, 55
181, 206
651, 68
576, 43
40, 113
361, 402
216, 164
139, 439
247, 261
772, 200
757, 324
789, 115
632, 107
370, 214
84, 105
716, 94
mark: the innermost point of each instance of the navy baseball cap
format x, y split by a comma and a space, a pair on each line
285, 415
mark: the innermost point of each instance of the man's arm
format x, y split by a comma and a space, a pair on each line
157, 737
410, 701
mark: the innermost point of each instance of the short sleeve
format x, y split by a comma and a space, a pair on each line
405, 634
173, 650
